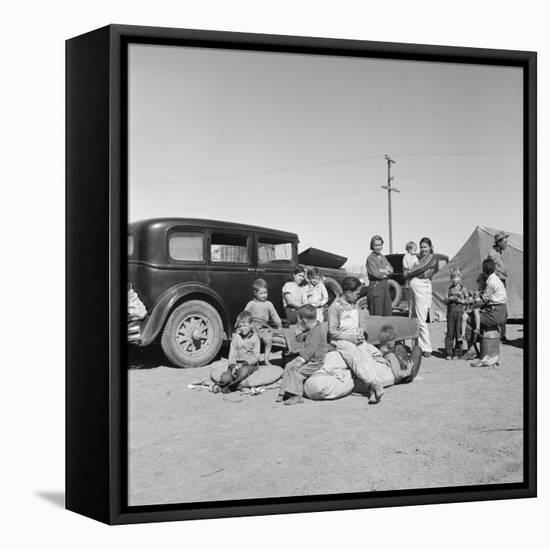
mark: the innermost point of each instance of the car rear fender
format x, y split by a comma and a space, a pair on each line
171, 299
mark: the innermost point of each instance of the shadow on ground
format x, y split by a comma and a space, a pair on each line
57, 498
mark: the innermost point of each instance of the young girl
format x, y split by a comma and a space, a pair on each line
316, 293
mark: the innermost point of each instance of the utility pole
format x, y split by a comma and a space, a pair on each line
390, 189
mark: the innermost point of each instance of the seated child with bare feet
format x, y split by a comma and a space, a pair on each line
244, 354
313, 347
264, 316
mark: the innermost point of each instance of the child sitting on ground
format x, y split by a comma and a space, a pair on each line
244, 354
264, 316
313, 348
316, 292
457, 298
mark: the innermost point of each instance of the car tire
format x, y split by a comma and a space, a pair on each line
333, 289
363, 304
193, 334
396, 292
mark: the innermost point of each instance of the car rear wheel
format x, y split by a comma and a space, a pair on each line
193, 334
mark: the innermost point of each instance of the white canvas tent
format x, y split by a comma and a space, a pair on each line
469, 259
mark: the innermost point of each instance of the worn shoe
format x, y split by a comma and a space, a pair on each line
448, 357
377, 392
486, 362
416, 361
427, 353
294, 400
469, 355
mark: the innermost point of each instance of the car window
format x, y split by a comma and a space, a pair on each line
273, 251
186, 246
229, 248
130, 245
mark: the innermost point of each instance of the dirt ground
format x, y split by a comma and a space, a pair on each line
454, 425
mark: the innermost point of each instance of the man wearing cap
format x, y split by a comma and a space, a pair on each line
501, 242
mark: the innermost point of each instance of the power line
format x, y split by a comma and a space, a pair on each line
298, 167
270, 170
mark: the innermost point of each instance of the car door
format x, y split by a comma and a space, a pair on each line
231, 270
276, 259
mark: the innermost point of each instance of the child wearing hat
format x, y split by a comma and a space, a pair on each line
496, 254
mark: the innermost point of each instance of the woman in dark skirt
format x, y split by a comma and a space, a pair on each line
378, 270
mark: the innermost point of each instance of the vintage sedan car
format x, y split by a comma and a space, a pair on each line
195, 276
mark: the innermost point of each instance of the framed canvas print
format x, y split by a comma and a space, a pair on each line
301, 274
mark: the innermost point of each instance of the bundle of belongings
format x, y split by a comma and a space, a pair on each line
136, 308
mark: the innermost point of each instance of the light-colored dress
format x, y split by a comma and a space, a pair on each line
317, 296
296, 291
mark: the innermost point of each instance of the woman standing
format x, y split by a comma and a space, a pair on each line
293, 294
420, 277
378, 270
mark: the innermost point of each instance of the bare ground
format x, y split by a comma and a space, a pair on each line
454, 425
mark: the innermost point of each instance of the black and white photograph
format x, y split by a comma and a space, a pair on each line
325, 275
275, 275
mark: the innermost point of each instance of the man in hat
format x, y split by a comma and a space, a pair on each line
499, 246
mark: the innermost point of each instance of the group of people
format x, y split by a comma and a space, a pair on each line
418, 270
373, 368
305, 298
479, 309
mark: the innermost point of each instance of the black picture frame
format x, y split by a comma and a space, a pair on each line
96, 222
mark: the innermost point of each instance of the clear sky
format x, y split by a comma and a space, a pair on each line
297, 142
